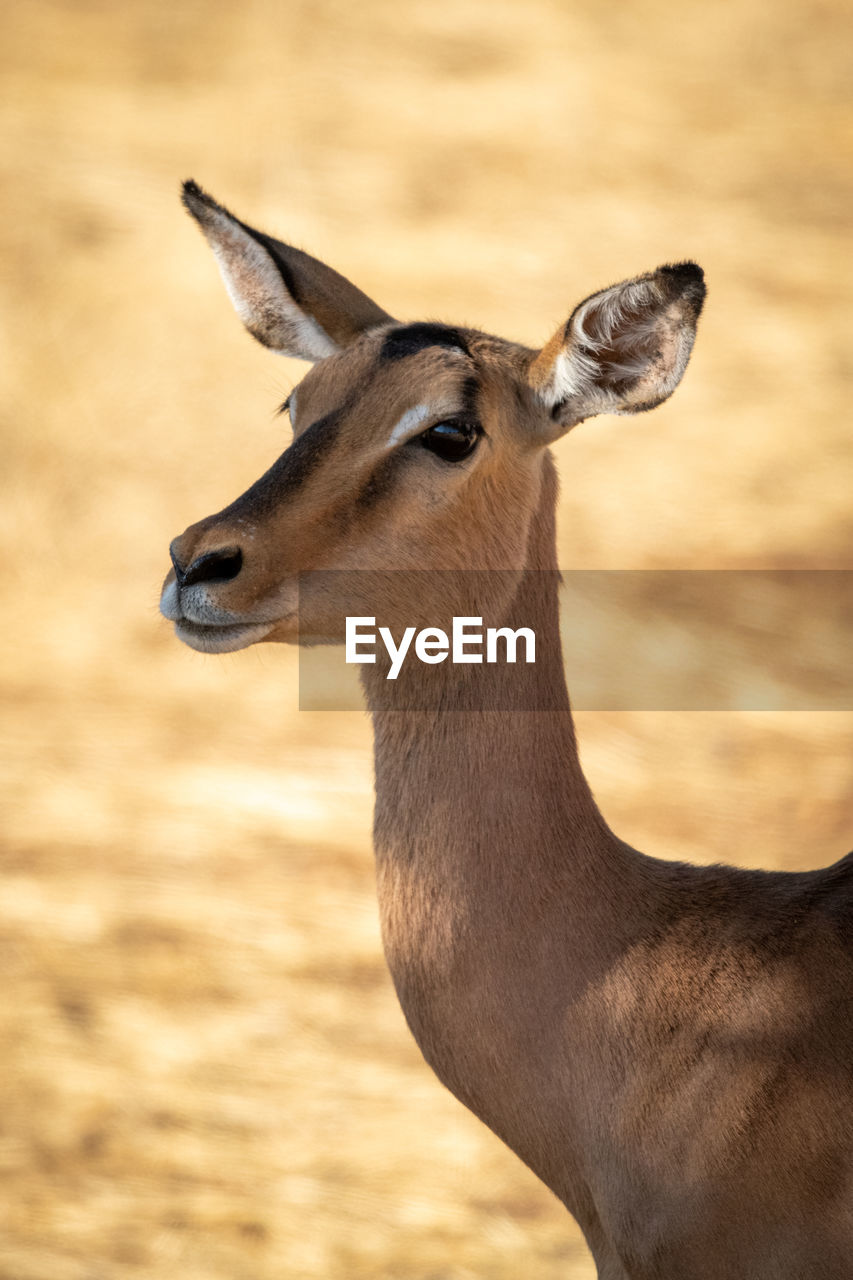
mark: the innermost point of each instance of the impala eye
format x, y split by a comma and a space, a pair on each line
451, 441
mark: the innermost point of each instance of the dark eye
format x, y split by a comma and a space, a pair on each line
451, 441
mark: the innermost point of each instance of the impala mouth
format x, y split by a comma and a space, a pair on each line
225, 638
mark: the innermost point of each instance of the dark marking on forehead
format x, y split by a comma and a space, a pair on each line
412, 338
289, 472
469, 391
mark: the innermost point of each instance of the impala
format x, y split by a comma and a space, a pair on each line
669, 1047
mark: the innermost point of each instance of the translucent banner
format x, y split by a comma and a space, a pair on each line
707, 640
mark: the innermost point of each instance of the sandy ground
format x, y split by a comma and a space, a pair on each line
203, 1069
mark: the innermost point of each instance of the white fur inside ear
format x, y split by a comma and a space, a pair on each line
624, 346
572, 374
257, 290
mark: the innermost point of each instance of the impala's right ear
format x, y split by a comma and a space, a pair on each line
623, 350
286, 299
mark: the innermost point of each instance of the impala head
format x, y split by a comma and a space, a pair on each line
416, 446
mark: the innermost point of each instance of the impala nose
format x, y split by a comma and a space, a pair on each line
213, 566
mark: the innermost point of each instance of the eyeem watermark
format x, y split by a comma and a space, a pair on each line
433, 645
644, 640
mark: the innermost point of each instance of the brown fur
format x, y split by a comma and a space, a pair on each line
668, 1047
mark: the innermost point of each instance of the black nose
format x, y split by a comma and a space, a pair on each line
213, 566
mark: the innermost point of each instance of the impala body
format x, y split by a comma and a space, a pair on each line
669, 1047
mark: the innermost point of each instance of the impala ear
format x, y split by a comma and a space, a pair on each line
623, 350
286, 299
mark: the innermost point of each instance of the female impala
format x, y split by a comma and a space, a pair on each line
669, 1047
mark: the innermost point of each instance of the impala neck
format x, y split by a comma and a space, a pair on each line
485, 811
504, 897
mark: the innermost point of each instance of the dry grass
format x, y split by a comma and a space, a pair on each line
204, 1072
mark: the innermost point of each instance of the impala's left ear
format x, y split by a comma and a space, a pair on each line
289, 301
623, 350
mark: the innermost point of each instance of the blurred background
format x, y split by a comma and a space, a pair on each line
203, 1069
